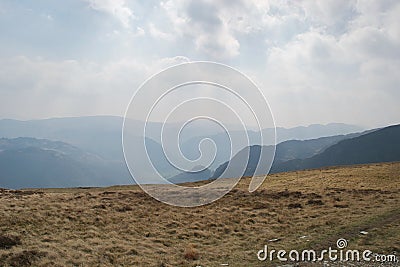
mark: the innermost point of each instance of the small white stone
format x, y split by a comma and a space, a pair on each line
274, 240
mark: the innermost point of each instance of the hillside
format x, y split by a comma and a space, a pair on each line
285, 151
379, 146
302, 149
29, 162
122, 226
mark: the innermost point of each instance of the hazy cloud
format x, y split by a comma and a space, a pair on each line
204, 26
350, 72
32, 88
116, 8
317, 61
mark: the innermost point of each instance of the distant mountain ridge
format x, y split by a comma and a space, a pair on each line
315, 131
382, 145
21, 143
285, 151
373, 146
102, 135
91, 149
222, 140
29, 162
301, 149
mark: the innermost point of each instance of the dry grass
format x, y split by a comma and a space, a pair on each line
122, 226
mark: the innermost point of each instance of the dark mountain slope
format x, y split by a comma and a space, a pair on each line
301, 149
285, 151
379, 146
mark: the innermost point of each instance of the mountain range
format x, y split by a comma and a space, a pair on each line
102, 135
87, 151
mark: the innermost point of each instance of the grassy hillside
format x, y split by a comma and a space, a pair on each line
122, 226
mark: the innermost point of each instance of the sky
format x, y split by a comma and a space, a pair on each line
315, 61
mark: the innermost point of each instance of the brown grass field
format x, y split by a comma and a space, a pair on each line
122, 226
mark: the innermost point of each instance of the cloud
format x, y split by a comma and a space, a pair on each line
37, 88
116, 8
316, 54
339, 75
317, 61
201, 22
163, 63
331, 15
158, 34
217, 29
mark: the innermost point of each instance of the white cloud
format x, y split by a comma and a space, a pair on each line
332, 15
156, 33
116, 8
344, 76
163, 63
201, 22
140, 31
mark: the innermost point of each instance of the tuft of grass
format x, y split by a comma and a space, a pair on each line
295, 206
8, 241
25, 258
315, 202
191, 253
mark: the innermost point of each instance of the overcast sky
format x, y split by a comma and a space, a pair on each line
316, 61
